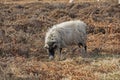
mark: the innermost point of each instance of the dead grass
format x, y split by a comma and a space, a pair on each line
103, 67
23, 27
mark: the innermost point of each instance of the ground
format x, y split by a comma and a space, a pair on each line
23, 24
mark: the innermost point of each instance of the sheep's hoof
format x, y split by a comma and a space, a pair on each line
51, 57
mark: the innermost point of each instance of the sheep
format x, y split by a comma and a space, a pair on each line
65, 34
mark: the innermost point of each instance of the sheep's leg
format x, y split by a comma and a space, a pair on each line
80, 44
60, 54
83, 45
85, 48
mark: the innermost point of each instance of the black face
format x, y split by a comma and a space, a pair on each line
51, 52
52, 45
52, 48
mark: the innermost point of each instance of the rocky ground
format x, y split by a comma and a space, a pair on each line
22, 30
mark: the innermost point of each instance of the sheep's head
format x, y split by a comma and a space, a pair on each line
51, 45
51, 41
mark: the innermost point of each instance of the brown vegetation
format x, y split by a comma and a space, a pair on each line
22, 32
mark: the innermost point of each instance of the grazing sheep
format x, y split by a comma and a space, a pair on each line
65, 34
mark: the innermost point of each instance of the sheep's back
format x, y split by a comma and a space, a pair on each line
72, 33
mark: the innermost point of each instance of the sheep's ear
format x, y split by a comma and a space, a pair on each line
46, 46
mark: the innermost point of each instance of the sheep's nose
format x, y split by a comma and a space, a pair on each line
51, 57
